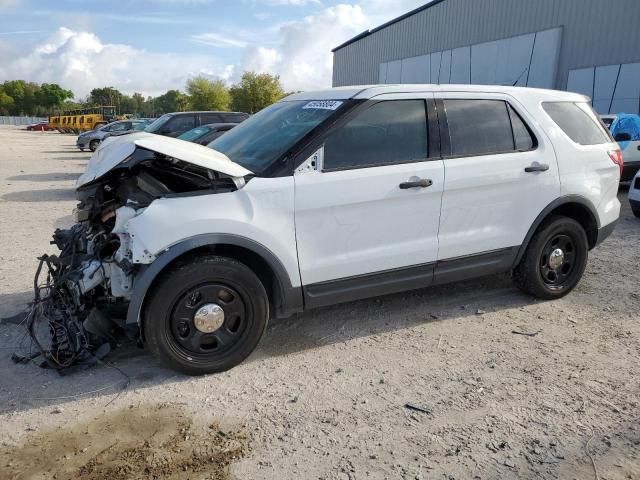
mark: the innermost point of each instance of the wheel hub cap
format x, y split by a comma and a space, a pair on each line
209, 317
556, 258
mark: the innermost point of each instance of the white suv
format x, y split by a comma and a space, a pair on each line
332, 196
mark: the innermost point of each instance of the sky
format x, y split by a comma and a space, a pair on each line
151, 46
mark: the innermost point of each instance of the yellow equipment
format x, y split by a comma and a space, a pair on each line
85, 119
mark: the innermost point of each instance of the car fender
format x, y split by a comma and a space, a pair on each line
290, 300
565, 199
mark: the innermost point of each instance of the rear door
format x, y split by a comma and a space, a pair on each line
500, 173
372, 205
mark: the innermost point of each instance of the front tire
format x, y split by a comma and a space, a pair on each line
205, 315
93, 145
555, 259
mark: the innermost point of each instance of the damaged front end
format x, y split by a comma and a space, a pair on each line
81, 295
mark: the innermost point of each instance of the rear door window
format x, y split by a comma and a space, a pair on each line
207, 118
180, 124
391, 131
578, 122
479, 127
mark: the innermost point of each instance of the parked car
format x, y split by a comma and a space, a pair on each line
139, 125
333, 196
634, 195
625, 129
206, 133
41, 126
92, 138
177, 123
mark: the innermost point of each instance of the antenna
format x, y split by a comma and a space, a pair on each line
520, 76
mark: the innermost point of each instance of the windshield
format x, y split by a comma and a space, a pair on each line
155, 126
194, 134
261, 139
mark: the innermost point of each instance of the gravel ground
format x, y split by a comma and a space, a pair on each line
324, 395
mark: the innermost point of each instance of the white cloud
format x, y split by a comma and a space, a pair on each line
80, 61
150, 18
299, 51
7, 4
295, 3
21, 32
218, 40
302, 56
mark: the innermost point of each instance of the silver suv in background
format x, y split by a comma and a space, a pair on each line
92, 138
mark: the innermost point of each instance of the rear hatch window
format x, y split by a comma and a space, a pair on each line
579, 122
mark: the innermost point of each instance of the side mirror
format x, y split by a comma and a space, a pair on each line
622, 137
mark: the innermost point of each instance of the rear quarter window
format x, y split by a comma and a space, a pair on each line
578, 122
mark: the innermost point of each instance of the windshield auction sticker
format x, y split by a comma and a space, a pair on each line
324, 104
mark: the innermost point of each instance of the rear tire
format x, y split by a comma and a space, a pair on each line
235, 306
636, 212
555, 259
93, 145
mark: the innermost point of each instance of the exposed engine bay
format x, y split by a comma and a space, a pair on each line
81, 294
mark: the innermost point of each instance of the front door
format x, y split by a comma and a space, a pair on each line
371, 205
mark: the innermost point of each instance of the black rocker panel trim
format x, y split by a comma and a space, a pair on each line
472, 266
368, 285
408, 278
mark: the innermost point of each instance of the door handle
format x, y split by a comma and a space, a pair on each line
422, 183
537, 167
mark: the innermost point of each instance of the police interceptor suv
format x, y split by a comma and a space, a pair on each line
332, 196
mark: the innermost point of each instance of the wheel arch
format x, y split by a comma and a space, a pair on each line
572, 206
284, 298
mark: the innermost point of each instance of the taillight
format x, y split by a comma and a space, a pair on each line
616, 157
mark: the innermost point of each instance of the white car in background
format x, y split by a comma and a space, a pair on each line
627, 133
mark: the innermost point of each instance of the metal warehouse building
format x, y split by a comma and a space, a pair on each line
586, 46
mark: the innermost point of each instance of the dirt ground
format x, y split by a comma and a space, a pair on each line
324, 396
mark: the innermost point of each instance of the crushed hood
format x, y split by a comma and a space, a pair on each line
117, 149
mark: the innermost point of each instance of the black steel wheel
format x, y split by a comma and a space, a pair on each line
205, 315
557, 262
555, 259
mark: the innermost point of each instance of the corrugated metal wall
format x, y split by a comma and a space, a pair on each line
595, 32
6, 120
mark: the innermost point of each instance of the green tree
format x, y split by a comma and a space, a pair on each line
205, 94
138, 103
52, 95
105, 96
6, 102
127, 105
255, 92
172, 101
16, 90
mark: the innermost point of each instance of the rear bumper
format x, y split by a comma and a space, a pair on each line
604, 232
